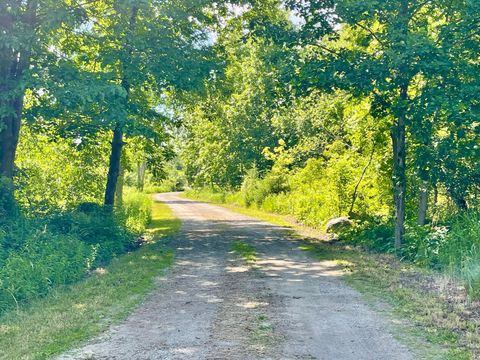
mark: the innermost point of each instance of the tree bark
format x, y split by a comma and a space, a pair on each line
398, 134
117, 142
13, 64
114, 166
399, 178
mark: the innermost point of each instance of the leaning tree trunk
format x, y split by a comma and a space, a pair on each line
114, 166
357, 185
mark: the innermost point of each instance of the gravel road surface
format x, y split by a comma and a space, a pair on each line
212, 305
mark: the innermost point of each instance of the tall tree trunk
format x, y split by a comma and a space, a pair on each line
114, 165
423, 204
117, 142
399, 178
141, 168
398, 133
14, 61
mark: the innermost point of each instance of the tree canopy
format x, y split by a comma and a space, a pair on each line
379, 97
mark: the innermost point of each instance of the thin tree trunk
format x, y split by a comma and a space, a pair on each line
114, 166
399, 179
141, 167
423, 204
398, 136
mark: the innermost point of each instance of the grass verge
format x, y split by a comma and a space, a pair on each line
421, 305
72, 314
431, 313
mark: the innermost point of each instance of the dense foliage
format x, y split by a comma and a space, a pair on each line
363, 109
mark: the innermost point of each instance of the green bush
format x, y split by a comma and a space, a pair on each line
373, 233
463, 239
422, 244
322, 189
136, 210
95, 226
255, 190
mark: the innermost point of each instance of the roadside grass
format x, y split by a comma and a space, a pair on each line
73, 314
430, 312
280, 220
246, 251
425, 318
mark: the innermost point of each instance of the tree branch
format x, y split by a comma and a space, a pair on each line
355, 191
371, 33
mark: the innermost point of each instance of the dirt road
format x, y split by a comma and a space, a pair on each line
211, 305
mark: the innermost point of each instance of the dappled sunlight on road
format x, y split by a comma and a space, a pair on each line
244, 289
289, 269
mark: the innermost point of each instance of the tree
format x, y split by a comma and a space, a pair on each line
28, 29
389, 51
232, 123
149, 47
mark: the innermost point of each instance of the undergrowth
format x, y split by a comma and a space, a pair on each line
68, 315
38, 254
